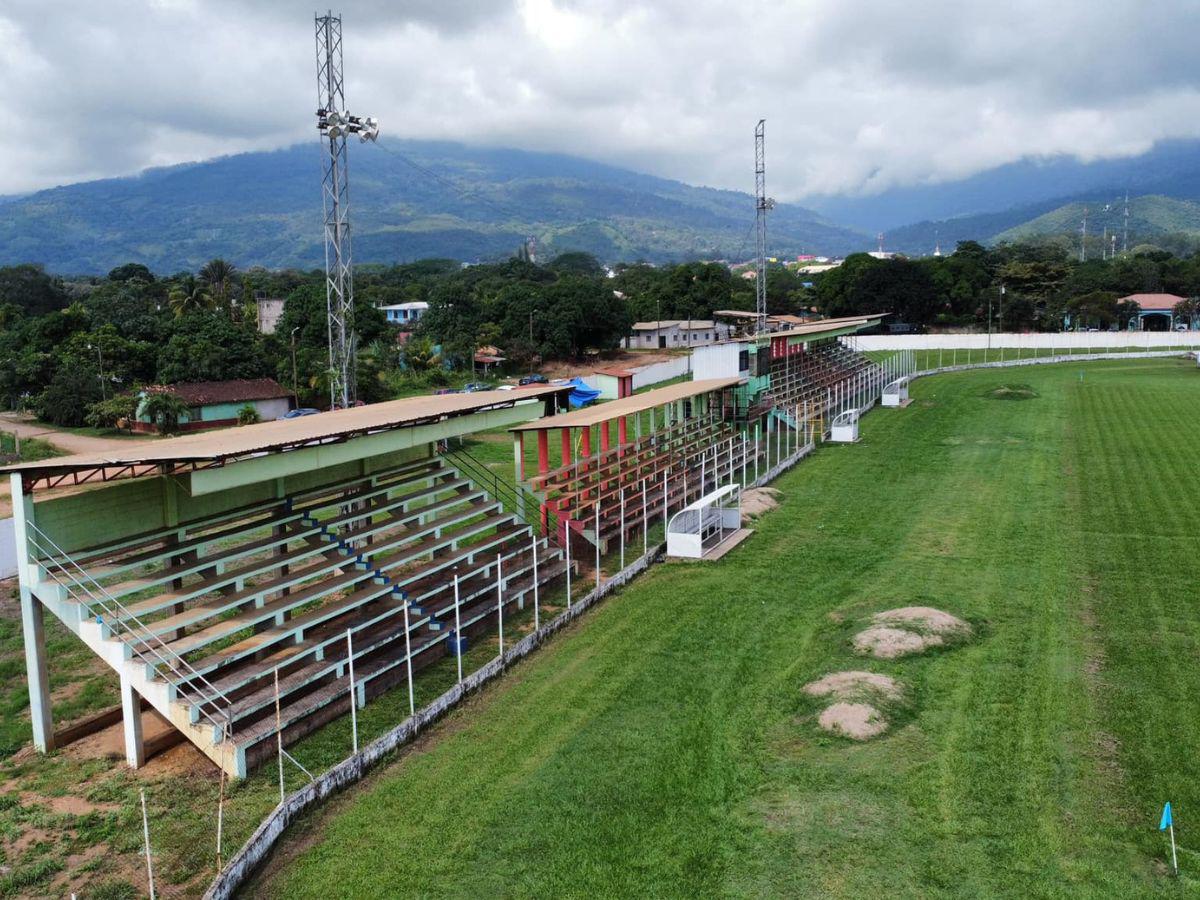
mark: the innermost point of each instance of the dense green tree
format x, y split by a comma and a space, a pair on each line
69, 396
205, 347
131, 272
189, 295
30, 289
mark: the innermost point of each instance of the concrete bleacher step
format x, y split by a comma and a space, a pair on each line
277, 585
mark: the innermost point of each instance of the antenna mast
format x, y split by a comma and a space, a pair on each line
1125, 237
762, 203
334, 123
1083, 238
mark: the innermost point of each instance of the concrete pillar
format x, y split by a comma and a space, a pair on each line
519, 455
543, 451
131, 713
33, 627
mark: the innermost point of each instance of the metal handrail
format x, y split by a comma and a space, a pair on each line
504, 492
121, 618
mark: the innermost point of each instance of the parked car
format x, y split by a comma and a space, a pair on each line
473, 386
532, 378
297, 413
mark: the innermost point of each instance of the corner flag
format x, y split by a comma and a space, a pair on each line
1166, 821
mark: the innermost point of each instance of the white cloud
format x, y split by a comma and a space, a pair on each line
859, 96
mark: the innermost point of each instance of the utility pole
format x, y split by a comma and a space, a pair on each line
762, 203
1083, 239
295, 395
1125, 237
334, 123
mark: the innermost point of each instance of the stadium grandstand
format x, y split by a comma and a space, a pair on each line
241, 582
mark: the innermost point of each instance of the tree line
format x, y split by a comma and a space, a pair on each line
69, 346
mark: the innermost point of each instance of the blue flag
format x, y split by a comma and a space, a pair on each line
1166, 821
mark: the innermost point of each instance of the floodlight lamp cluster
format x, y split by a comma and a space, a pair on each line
334, 124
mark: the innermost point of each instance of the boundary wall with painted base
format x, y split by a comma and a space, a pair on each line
1049, 360
1062, 340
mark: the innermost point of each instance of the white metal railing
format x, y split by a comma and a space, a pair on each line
144, 640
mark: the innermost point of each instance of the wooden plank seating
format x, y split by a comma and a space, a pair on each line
215, 607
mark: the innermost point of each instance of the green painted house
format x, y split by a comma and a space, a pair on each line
215, 404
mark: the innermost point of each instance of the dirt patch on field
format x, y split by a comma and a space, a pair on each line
889, 643
857, 721
757, 501
923, 618
908, 630
618, 359
1011, 392
851, 685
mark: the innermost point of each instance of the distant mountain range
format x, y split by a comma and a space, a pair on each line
409, 200
412, 200
1034, 198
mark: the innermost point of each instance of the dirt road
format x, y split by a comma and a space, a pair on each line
68, 442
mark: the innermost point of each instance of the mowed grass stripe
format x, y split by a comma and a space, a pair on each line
664, 747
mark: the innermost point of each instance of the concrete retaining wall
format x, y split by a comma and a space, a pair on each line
663, 371
254, 852
1063, 340
1049, 360
8, 548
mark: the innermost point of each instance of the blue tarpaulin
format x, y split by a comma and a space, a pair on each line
581, 394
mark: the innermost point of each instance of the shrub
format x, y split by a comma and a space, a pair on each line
164, 410
248, 415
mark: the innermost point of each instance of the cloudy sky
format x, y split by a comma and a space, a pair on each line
859, 95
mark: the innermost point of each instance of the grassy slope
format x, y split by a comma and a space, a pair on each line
664, 746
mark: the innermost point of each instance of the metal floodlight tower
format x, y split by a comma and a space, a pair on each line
334, 123
762, 204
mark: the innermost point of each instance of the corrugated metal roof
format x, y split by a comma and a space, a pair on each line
627, 406
231, 443
238, 390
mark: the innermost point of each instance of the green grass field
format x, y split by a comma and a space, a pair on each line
663, 746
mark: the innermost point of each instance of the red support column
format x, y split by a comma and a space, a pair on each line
622, 434
605, 435
585, 448
543, 439
566, 446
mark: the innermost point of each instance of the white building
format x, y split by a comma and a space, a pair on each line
674, 333
405, 314
270, 311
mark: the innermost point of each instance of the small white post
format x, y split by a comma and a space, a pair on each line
645, 521
664, 501
458, 638
536, 611
567, 533
146, 838
500, 603
220, 813
744, 460
278, 736
622, 528
412, 702
1175, 861
353, 696
597, 541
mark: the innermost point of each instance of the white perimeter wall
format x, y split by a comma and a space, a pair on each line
1075, 340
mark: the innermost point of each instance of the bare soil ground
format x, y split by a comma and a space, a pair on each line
618, 359
849, 685
857, 721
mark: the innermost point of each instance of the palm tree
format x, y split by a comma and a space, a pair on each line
219, 275
164, 409
189, 295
